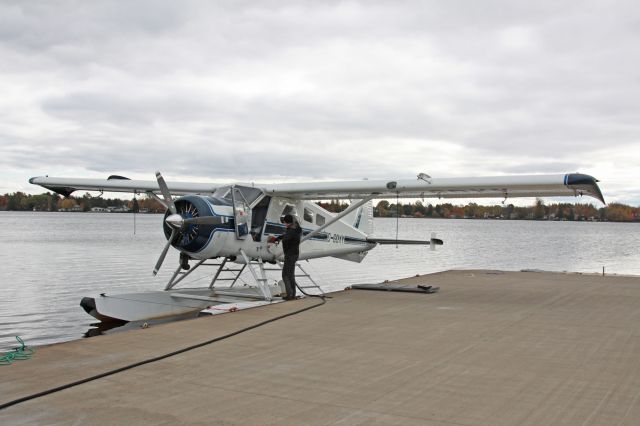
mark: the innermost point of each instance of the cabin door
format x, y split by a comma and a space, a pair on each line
241, 214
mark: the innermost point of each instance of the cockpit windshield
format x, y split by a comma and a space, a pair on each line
245, 194
219, 201
223, 194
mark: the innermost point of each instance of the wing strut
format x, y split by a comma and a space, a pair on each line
342, 214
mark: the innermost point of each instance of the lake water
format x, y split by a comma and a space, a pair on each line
51, 260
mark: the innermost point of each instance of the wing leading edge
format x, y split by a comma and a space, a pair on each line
572, 184
66, 186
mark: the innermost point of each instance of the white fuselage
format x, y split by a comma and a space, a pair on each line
338, 239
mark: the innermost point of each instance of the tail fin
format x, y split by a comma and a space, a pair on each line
361, 218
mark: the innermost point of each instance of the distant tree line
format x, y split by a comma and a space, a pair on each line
614, 212
19, 201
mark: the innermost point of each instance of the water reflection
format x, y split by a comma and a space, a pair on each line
100, 328
116, 326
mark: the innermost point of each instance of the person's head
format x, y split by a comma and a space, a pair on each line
287, 220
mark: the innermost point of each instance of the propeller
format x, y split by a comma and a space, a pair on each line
205, 220
174, 231
165, 192
176, 221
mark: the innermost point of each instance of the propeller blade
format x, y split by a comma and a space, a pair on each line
165, 192
205, 220
164, 252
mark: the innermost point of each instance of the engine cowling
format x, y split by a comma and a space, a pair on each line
193, 237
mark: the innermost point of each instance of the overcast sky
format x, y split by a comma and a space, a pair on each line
271, 91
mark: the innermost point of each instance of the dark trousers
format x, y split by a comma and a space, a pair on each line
289, 274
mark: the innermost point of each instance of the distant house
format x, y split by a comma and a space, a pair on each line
75, 208
114, 209
98, 209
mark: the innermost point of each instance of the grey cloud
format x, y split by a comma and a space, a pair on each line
125, 109
235, 89
544, 167
43, 25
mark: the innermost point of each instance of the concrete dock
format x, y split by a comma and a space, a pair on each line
491, 348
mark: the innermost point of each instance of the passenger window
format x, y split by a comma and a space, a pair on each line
308, 215
319, 220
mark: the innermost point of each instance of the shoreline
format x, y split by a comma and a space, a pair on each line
375, 217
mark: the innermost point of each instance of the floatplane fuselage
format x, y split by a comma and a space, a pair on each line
247, 225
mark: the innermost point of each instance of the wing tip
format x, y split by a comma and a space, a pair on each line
585, 182
65, 191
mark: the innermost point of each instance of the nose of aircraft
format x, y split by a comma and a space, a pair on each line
175, 221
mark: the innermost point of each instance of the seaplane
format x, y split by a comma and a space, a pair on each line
229, 226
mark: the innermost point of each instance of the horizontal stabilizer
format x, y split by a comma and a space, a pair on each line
435, 241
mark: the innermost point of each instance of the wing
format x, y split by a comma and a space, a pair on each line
573, 184
65, 186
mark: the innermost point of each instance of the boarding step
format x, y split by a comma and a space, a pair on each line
306, 275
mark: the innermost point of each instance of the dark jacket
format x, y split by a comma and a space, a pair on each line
291, 240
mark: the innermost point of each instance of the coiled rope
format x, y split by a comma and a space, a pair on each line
23, 352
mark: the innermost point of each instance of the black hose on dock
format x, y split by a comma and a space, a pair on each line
154, 359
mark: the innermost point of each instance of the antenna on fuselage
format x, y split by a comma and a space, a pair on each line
397, 215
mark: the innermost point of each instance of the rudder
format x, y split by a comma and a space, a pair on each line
361, 218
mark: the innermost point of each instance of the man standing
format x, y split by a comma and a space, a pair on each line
291, 247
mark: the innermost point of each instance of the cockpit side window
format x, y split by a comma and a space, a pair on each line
289, 209
308, 215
